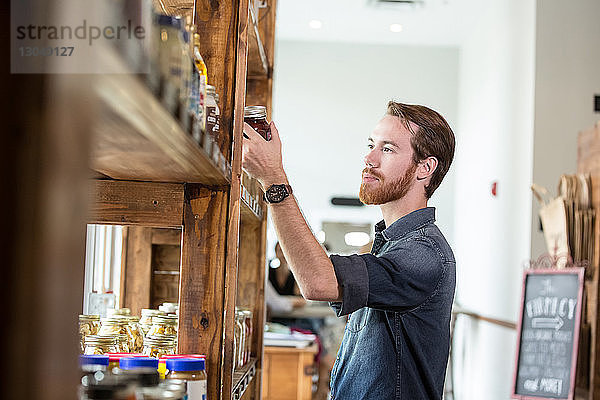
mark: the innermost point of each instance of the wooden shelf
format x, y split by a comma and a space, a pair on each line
258, 64
136, 138
251, 208
242, 378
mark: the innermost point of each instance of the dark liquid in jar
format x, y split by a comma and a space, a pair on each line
260, 125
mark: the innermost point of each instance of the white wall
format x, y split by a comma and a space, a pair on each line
495, 131
327, 99
567, 77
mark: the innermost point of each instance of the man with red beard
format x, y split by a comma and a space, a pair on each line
400, 295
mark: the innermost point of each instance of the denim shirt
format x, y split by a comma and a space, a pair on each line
397, 338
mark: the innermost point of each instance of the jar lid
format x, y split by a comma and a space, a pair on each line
91, 317
150, 312
165, 319
118, 311
115, 320
138, 362
169, 21
117, 356
100, 339
186, 364
93, 360
255, 112
160, 340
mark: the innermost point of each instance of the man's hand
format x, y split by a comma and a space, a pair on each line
262, 159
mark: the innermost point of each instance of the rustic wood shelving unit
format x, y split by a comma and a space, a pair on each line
103, 149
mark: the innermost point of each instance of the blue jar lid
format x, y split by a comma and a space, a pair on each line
186, 364
138, 362
93, 360
169, 21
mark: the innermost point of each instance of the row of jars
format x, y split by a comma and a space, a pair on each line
133, 376
154, 334
242, 346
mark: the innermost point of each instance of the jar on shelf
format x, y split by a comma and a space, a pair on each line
136, 333
99, 344
163, 325
248, 315
256, 117
118, 326
169, 308
88, 325
185, 87
159, 346
193, 372
146, 319
213, 115
111, 312
93, 363
170, 60
240, 338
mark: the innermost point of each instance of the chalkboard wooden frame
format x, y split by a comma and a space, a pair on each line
577, 324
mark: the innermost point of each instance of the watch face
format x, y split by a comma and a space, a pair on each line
277, 193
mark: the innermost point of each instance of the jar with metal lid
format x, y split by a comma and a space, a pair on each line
115, 358
163, 325
98, 344
118, 326
146, 319
213, 113
170, 60
158, 346
240, 339
136, 333
256, 117
191, 370
88, 325
248, 315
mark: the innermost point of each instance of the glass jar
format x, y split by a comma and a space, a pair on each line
99, 344
114, 359
88, 325
185, 86
118, 326
241, 338
136, 333
256, 117
111, 312
169, 308
170, 60
248, 315
191, 370
158, 346
163, 325
213, 114
146, 319
93, 363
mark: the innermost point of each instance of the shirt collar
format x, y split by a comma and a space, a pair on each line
408, 223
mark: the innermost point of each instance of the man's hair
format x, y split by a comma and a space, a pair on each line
433, 138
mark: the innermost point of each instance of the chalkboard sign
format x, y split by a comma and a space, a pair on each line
548, 334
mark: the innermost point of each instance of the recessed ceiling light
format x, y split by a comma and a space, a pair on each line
356, 239
315, 24
396, 28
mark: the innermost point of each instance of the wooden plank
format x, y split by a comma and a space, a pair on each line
258, 64
43, 161
167, 235
138, 269
137, 203
234, 198
588, 161
166, 257
136, 138
202, 279
260, 313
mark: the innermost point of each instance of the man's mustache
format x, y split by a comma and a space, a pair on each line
372, 173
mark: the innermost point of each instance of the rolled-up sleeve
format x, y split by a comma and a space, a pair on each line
400, 279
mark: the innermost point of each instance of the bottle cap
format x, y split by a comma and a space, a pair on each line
186, 364
93, 360
138, 362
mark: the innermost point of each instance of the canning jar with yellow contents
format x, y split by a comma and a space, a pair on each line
158, 346
163, 325
88, 325
99, 344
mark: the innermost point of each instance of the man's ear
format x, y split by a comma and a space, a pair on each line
426, 168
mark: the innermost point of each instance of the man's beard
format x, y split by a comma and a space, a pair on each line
386, 192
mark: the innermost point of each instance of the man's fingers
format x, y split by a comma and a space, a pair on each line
249, 132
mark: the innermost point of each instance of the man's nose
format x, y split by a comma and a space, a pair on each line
371, 160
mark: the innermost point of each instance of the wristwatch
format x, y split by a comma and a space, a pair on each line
277, 193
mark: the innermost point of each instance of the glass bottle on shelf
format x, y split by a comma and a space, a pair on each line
202, 83
213, 114
170, 60
186, 79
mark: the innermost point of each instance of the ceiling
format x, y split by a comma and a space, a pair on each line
433, 23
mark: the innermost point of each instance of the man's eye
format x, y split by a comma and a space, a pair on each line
387, 150
370, 146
